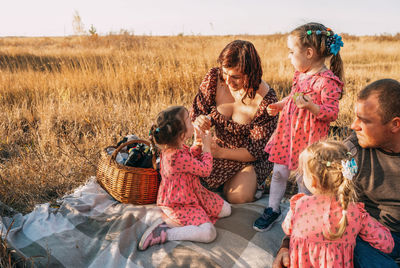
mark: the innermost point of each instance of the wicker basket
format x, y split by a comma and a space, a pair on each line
127, 184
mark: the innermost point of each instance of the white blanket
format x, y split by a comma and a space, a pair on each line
91, 229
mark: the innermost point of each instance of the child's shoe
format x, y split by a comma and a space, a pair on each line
266, 220
155, 234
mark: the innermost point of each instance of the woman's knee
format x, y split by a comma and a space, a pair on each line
242, 187
241, 198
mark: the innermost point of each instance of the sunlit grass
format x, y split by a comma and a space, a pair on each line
64, 99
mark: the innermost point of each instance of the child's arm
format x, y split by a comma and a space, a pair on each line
287, 223
374, 232
274, 108
330, 95
201, 166
196, 148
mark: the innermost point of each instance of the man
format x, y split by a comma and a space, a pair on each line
376, 149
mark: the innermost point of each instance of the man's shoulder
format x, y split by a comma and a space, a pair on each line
351, 142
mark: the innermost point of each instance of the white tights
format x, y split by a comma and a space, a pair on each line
205, 232
277, 189
279, 180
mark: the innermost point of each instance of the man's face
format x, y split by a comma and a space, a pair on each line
370, 130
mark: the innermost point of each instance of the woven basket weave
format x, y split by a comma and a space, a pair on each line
127, 184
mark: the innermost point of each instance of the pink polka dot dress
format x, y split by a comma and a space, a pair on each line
181, 196
297, 128
311, 216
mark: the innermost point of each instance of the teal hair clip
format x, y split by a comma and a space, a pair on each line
309, 32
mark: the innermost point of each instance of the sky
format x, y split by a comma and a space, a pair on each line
201, 17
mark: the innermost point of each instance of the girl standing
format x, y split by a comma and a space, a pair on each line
308, 110
189, 209
323, 227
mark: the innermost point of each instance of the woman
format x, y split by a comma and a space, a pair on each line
234, 100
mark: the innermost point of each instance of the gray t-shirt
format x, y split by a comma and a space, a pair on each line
378, 182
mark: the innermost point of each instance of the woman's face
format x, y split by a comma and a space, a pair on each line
298, 55
234, 79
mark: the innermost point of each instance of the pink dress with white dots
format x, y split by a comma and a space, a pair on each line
297, 128
181, 196
311, 216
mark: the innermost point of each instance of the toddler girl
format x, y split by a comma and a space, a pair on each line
189, 209
308, 110
323, 227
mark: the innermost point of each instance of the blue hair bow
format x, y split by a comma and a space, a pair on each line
349, 168
336, 45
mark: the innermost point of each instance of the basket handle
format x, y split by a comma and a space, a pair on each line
116, 151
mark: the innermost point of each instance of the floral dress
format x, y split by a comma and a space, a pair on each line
297, 128
181, 196
311, 216
253, 136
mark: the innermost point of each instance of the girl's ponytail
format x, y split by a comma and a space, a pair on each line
336, 66
346, 194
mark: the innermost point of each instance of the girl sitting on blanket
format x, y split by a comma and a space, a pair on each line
189, 209
323, 227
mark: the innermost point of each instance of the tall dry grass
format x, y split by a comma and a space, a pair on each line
63, 99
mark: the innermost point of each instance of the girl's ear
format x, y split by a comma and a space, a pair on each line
309, 52
314, 182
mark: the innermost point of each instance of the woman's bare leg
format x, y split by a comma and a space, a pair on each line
242, 187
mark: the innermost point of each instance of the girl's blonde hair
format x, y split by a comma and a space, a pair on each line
316, 35
323, 162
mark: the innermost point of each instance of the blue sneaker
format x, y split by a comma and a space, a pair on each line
266, 220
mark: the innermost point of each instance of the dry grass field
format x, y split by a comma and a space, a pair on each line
64, 99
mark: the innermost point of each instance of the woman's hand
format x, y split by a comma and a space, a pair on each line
203, 122
274, 108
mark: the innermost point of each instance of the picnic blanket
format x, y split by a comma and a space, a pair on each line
91, 229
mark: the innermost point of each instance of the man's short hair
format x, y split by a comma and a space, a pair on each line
388, 91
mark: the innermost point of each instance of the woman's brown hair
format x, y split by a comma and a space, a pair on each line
243, 55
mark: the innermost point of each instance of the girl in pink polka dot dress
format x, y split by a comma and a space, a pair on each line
189, 209
323, 227
308, 110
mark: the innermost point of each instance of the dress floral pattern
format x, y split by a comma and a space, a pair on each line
297, 128
311, 216
181, 196
253, 136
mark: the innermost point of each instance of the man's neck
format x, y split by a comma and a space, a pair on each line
392, 147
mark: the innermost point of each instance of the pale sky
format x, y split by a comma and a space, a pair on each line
202, 17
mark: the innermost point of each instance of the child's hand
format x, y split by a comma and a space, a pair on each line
274, 108
197, 141
216, 150
302, 101
206, 139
